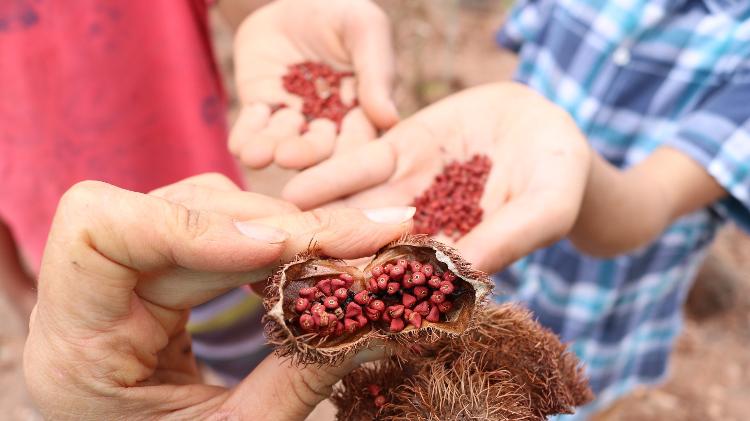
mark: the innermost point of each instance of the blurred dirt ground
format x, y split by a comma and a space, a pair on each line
447, 45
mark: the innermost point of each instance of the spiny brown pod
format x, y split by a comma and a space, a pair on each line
507, 368
321, 310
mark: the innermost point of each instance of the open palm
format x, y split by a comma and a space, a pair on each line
348, 35
533, 192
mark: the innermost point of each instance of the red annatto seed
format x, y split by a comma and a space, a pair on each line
377, 305
396, 272
415, 266
350, 325
427, 270
437, 297
308, 293
385, 317
418, 278
387, 268
339, 328
338, 283
319, 87
307, 323
349, 279
393, 288
445, 306
317, 308
403, 263
372, 286
434, 315
397, 325
361, 320
374, 390
372, 314
408, 300
415, 319
383, 282
331, 302
446, 287
421, 292
325, 286
301, 305
353, 309
434, 282
341, 294
407, 282
452, 203
380, 401
362, 297
449, 276
323, 319
376, 271
396, 311
422, 308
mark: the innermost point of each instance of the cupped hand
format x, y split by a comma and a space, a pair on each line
120, 273
348, 35
540, 164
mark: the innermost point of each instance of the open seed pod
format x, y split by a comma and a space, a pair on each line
414, 291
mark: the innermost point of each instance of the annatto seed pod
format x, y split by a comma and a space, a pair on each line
320, 343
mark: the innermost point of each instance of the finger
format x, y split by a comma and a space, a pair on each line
103, 238
213, 180
368, 38
356, 130
515, 230
342, 233
282, 391
258, 152
240, 205
313, 147
252, 119
341, 175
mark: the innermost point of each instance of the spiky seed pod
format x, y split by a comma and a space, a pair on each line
508, 368
325, 346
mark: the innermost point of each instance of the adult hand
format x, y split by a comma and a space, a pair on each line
349, 35
534, 190
120, 273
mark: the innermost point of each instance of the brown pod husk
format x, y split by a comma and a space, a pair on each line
508, 368
473, 288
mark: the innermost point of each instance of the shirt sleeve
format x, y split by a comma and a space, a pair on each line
523, 23
717, 136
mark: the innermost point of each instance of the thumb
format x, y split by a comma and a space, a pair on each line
513, 231
368, 38
281, 391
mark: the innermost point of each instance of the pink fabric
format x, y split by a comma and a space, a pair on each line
123, 91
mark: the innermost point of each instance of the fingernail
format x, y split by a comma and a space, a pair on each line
261, 232
392, 215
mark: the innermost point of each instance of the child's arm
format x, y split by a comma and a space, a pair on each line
623, 210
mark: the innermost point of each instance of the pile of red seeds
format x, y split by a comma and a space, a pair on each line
319, 86
397, 293
451, 203
377, 395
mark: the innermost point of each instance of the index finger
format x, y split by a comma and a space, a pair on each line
341, 175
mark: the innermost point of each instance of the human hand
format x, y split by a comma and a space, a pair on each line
120, 273
348, 35
534, 190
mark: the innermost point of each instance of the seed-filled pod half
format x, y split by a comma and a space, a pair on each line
414, 291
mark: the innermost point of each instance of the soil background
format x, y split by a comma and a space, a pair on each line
447, 45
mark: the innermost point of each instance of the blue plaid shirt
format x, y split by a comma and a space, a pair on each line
635, 75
